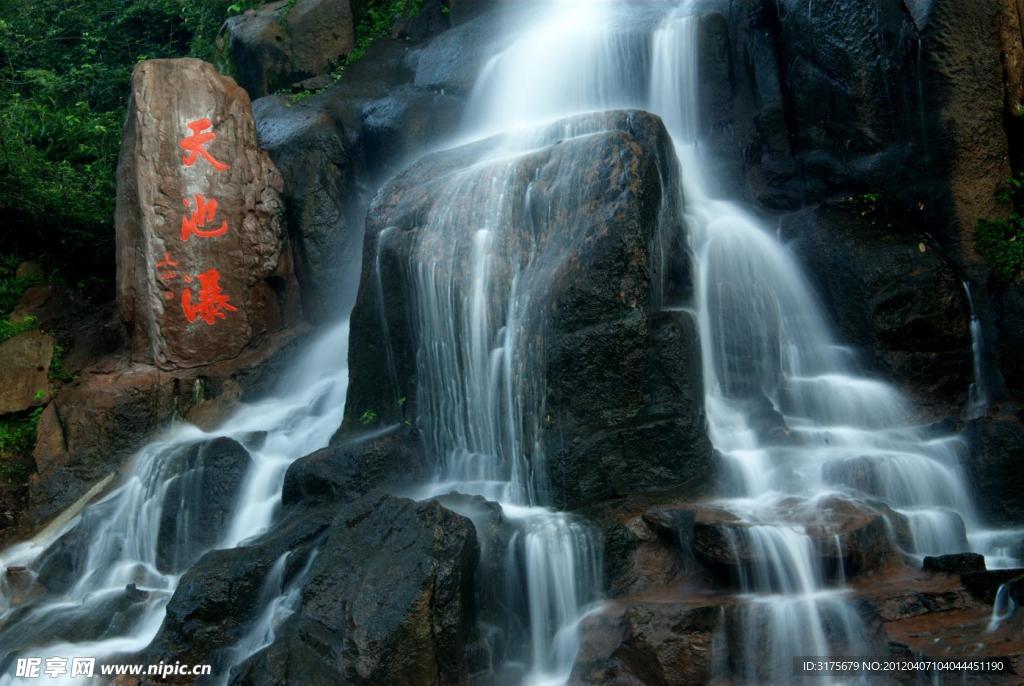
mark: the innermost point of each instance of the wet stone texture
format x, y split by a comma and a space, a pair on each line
619, 378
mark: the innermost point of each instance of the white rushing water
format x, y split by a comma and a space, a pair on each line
792, 417
977, 396
769, 356
116, 539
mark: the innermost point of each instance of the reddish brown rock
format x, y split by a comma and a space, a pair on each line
197, 283
648, 643
24, 371
847, 537
113, 408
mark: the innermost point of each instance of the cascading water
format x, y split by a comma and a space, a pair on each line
117, 541
788, 410
977, 397
790, 415
480, 397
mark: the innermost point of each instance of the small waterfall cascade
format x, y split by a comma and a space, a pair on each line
1003, 608
481, 270
120, 542
977, 395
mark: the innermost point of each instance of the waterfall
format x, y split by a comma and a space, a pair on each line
795, 423
116, 542
977, 396
1003, 608
767, 347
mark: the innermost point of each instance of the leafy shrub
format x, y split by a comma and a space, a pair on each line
17, 437
65, 68
1001, 241
9, 329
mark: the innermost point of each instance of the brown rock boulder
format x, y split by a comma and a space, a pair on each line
203, 268
84, 329
24, 371
283, 42
649, 643
847, 537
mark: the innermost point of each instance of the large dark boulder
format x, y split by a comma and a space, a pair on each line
203, 483
622, 391
895, 297
394, 583
321, 199
217, 599
452, 61
353, 468
280, 43
386, 597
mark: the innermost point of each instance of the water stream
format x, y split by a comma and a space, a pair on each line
797, 424
120, 535
790, 412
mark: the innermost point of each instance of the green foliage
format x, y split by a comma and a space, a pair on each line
18, 433
378, 18
57, 370
9, 329
368, 417
65, 69
1001, 241
17, 436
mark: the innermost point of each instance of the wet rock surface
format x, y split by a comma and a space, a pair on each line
896, 298
957, 563
652, 643
321, 200
386, 597
210, 476
353, 468
619, 374
998, 452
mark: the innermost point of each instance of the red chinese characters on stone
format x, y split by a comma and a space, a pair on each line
205, 211
194, 144
166, 264
213, 303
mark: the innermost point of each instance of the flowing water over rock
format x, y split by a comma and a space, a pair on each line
187, 493
804, 437
789, 412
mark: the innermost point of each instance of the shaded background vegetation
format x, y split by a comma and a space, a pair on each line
64, 74
65, 69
